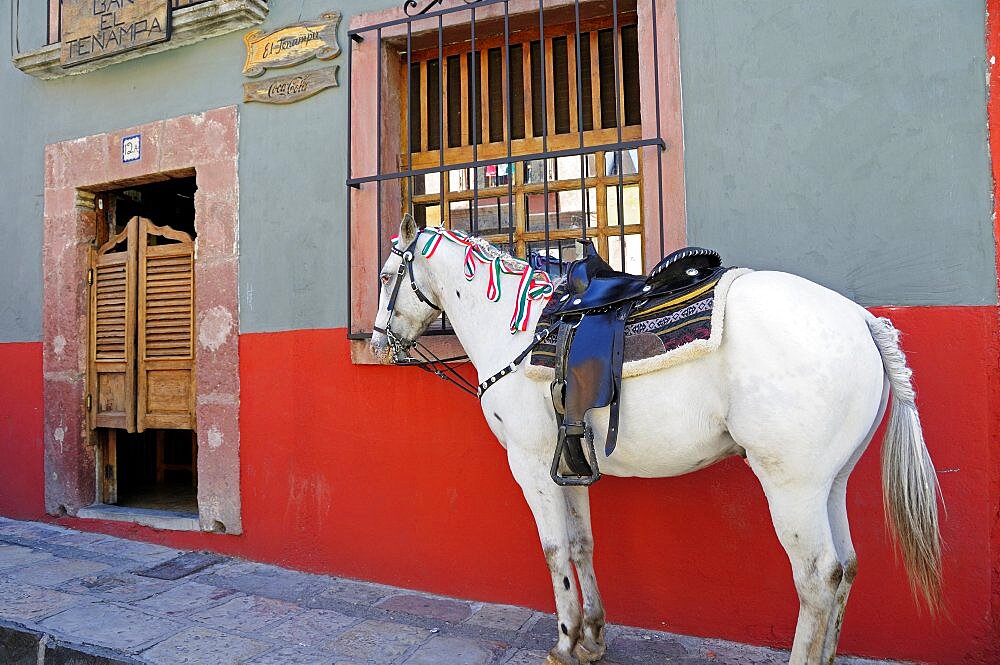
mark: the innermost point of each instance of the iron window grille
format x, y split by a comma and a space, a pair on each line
509, 118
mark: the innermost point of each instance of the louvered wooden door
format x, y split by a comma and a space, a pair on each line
142, 330
112, 331
166, 329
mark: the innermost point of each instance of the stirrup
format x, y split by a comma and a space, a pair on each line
574, 480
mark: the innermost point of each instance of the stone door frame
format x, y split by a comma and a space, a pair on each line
207, 146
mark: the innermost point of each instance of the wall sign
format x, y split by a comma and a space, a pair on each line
291, 87
131, 148
94, 29
292, 44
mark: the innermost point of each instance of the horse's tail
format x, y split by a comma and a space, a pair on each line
909, 481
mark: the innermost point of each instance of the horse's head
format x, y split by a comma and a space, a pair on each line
406, 304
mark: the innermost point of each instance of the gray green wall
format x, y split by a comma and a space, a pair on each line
292, 166
816, 135
843, 140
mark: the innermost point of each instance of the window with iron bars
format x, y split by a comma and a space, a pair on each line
530, 123
537, 205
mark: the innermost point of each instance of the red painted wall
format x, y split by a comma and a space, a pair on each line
993, 120
389, 474
22, 485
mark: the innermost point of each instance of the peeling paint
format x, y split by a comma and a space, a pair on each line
215, 438
59, 344
214, 327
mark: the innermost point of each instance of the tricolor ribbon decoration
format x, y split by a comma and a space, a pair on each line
534, 285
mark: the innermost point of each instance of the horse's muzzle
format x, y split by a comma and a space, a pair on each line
379, 347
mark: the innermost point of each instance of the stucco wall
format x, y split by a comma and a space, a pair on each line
292, 167
845, 141
817, 135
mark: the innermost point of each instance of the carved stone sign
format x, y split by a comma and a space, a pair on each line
292, 44
93, 29
291, 87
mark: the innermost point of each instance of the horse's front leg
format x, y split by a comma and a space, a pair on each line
591, 646
549, 507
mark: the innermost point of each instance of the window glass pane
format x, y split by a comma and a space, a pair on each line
629, 162
534, 171
565, 210
459, 180
631, 210
427, 214
633, 253
429, 183
560, 168
572, 203
493, 216
494, 175
460, 216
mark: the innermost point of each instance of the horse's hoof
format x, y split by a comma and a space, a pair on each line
589, 653
555, 659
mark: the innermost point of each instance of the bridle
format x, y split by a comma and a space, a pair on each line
400, 346
397, 344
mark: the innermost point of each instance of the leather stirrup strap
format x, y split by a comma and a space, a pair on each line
569, 443
564, 338
617, 360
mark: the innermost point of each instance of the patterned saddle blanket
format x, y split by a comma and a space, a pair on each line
659, 333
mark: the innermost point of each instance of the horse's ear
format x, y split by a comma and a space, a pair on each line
407, 230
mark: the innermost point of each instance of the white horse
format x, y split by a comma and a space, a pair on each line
798, 386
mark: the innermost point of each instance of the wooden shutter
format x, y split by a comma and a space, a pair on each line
166, 389
112, 332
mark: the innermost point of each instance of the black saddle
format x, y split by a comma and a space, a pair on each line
590, 345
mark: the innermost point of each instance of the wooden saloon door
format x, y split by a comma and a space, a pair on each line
142, 330
112, 277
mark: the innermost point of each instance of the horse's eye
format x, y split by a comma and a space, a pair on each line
385, 277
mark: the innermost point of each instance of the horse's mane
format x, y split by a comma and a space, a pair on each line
494, 252
485, 249
509, 260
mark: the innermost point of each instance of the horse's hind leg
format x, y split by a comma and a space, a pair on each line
590, 647
837, 510
548, 506
800, 517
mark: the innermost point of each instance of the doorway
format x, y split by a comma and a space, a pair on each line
141, 395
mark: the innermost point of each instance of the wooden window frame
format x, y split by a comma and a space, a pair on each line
377, 59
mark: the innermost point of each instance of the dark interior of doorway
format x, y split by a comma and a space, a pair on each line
155, 469
166, 203
158, 470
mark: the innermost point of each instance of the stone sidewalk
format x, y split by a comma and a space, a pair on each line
71, 597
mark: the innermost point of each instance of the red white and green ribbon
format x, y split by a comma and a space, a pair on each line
534, 285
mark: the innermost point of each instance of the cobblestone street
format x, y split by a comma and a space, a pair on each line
76, 597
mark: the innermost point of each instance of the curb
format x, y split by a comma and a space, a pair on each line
20, 645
